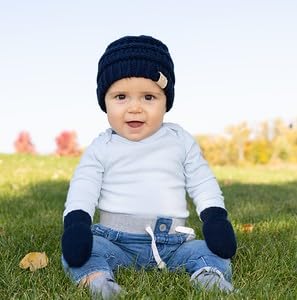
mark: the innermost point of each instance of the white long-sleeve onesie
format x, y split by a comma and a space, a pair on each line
146, 178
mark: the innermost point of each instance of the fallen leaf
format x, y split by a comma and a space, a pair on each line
228, 182
34, 261
247, 228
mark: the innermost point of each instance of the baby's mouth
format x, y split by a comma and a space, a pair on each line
135, 124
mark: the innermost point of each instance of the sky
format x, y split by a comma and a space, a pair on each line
234, 61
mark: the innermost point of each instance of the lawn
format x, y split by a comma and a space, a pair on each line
32, 195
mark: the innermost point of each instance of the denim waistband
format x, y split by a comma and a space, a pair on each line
138, 224
131, 238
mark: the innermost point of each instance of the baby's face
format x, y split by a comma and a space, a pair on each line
135, 107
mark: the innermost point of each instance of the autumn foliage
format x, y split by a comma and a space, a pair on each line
273, 142
23, 143
267, 143
67, 144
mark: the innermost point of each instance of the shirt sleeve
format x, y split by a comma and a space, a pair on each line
85, 185
201, 183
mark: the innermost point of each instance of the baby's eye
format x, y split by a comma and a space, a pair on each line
120, 97
149, 97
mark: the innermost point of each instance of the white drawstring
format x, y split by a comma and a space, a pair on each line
182, 229
160, 263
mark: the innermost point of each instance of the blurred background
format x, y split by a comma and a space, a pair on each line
235, 65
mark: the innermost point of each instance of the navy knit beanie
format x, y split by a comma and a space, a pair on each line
136, 56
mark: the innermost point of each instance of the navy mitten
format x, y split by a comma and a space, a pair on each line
77, 240
218, 232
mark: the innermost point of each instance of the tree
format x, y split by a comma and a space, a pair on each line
215, 149
23, 143
239, 135
283, 145
67, 144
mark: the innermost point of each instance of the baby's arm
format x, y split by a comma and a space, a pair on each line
203, 188
82, 199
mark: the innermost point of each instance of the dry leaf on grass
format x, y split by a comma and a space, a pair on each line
247, 228
228, 182
34, 261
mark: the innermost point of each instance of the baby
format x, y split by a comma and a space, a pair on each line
137, 174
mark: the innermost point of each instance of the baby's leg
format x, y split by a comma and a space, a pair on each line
97, 272
206, 268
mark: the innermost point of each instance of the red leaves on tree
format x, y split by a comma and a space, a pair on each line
67, 144
23, 143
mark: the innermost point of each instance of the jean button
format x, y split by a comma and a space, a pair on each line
162, 227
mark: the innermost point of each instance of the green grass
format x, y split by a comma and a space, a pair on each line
32, 195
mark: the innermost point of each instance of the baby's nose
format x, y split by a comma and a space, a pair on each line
135, 106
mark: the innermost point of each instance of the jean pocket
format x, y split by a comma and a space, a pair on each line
107, 233
97, 230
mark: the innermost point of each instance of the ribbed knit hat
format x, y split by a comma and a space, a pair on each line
136, 56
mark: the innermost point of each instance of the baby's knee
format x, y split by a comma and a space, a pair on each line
197, 246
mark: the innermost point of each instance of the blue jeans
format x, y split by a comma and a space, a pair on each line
113, 249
